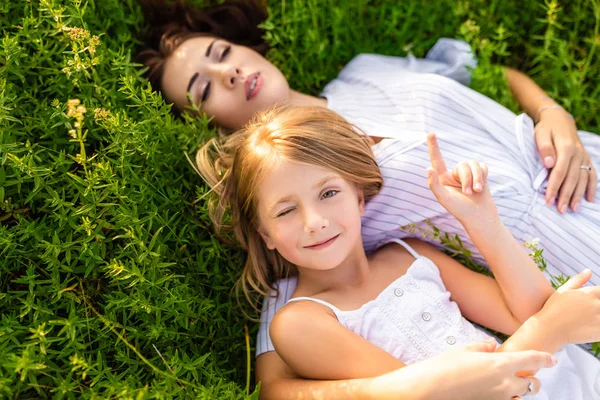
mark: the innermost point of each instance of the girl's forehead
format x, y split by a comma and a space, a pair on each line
291, 179
286, 173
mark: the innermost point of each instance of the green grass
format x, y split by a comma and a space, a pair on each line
111, 285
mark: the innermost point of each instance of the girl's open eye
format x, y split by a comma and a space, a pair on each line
285, 212
329, 193
225, 52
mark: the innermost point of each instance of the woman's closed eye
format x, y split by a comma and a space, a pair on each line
224, 54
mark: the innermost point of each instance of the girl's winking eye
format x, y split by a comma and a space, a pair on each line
326, 195
284, 212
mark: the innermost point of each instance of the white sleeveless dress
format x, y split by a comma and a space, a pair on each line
414, 319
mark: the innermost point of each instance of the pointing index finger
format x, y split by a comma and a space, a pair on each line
435, 154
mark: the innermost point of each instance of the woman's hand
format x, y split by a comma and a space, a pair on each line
572, 313
560, 149
464, 191
469, 373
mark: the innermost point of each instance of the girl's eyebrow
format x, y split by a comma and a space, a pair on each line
282, 200
324, 181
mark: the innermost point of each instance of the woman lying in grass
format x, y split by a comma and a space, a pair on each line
401, 99
295, 183
202, 60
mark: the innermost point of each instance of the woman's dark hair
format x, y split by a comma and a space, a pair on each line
170, 23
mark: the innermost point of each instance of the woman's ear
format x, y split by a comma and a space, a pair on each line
266, 238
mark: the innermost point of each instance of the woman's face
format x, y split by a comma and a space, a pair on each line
228, 82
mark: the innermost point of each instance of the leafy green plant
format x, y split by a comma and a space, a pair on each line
111, 283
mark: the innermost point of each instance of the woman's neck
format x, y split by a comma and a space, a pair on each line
300, 99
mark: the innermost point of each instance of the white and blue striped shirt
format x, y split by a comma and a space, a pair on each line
404, 100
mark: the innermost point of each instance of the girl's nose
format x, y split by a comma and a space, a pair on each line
314, 221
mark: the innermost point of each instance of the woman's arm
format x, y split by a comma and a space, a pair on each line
528, 94
471, 373
279, 382
558, 143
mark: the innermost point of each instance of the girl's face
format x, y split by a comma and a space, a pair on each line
310, 215
228, 82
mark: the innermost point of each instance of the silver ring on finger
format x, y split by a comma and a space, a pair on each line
587, 168
529, 386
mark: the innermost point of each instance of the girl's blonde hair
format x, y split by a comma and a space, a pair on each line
234, 167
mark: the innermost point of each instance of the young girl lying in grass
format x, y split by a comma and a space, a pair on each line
295, 183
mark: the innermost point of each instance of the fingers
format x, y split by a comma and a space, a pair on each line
435, 154
487, 346
558, 175
592, 184
543, 139
582, 184
576, 282
462, 173
529, 360
477, 173
472, 176
568, 185
522, 385
433, 181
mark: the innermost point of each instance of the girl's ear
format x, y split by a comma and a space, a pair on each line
266, 238
361, 201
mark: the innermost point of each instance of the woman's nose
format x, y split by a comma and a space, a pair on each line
230, 76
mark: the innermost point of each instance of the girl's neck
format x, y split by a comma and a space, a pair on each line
300, 99
353, 272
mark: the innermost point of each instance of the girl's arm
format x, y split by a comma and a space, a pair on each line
479, 297
464, 192
310, 339
558, 143
523, 285
570, 316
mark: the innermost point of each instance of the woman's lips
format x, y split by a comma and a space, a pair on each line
253, 84
322, 245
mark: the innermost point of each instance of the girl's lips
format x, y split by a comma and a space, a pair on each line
253, 92
322, 245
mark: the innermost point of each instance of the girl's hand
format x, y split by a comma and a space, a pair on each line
464, 191
572, 313
560, 149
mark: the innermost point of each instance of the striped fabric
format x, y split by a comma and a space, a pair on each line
377, 95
